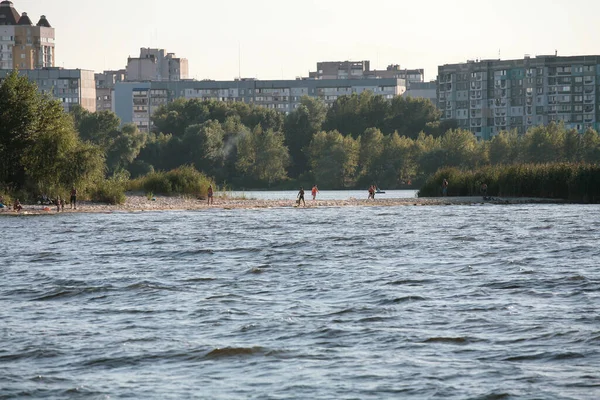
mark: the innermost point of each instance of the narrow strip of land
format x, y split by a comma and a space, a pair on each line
136, 203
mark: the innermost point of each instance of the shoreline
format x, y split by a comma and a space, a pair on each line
136, 203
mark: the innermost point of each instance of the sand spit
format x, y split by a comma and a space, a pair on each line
135, 203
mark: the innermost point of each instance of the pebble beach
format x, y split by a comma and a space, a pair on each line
139, 203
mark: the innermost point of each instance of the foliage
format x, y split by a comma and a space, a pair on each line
262, 156
569, 181
39, 148
333, 159
111, 190
183, 180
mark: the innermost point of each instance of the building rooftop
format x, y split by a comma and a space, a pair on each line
8, 14
25, 20
44, 22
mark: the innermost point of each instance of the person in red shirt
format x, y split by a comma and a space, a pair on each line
315, 190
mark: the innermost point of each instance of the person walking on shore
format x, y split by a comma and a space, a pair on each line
211, 193
445, 188
371, 192
301, 196
57, 204
484, 190
315, 190
73, 198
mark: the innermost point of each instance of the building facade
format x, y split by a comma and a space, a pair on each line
489, 96
136, 101
105, 86
362, 70
423, 90
70, 86
156, 65
22, 44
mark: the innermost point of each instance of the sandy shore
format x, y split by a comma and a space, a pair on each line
136, 203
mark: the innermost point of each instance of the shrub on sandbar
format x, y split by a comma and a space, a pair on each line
183, 180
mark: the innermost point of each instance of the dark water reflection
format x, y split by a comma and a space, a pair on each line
457, 302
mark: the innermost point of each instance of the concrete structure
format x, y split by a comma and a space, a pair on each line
424, 90
22, 44
488, 96
70, 86
156, 65
105, 86
362, 70
136, 101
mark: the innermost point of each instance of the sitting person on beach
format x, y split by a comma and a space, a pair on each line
17, 206
2, 202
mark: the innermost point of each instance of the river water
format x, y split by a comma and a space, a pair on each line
441, 302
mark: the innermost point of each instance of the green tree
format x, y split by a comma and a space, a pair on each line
504, 148
125, 148
300, 127
371, 162
410, 116
100, 128
262, 156
39, 148
334, 159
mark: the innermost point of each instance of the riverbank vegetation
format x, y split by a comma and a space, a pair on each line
573, 182
360, 140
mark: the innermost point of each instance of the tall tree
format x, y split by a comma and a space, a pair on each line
333, 159
300, 127
262, 156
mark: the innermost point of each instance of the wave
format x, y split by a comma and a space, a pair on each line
449, 340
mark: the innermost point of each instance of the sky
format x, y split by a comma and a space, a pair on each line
275, 39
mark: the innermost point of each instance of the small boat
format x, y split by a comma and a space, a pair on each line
379, 191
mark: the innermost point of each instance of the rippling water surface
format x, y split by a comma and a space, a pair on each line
451, 302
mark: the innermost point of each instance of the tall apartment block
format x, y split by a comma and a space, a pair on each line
156, 65
135, 102
105, 86
70, 86
488, 96
362, 70
22, 44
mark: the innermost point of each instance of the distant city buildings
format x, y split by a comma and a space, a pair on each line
156, 65
70, 86
22, 44
105, 85
362, 70
488, 96
135, 102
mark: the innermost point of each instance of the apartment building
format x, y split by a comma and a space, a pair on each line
423, 90
362, 70
22, 44
156, 65
105, 86
70, 86
136, 101
488, 96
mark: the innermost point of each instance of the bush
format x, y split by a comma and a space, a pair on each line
183, 180
111, 191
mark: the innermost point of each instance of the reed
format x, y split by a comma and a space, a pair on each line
573, 182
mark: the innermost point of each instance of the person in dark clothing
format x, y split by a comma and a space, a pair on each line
301, 197
74, 198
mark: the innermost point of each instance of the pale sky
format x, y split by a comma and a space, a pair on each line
284, 39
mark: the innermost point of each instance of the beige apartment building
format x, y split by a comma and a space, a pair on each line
24, 45
156, 65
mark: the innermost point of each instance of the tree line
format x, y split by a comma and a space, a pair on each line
358, 141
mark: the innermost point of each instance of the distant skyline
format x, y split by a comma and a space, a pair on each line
275, 39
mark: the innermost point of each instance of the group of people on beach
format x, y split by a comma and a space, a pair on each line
300, 197
45, 200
